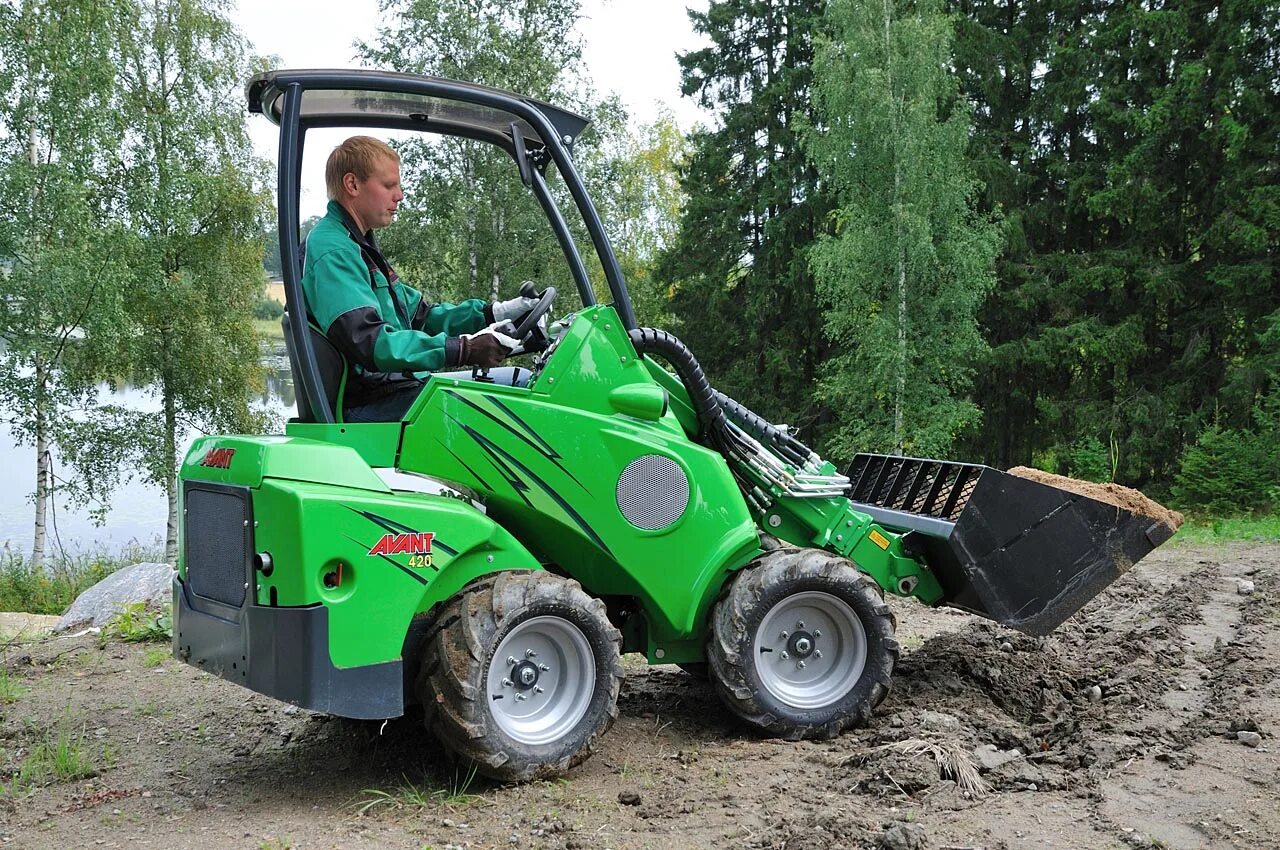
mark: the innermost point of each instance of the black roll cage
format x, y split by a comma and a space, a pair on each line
279, 96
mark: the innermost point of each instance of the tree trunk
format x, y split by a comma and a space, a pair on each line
42, 466
171, 474
899, 248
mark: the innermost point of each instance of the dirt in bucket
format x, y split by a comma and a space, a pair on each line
1112, 494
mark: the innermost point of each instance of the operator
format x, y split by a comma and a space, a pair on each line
387, 331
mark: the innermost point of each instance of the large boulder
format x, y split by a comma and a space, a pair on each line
149, 583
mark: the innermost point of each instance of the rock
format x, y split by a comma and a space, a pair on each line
1243, 724
629, 798
1244, 587
1006, 647
989, 757
937, 721
1249, 739
1095, 694
904, 836
148, 583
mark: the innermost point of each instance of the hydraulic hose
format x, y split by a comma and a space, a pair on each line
703, 397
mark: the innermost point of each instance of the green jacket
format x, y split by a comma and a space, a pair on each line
376, 322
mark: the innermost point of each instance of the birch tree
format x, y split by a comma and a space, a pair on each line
194, 197
909, 263
62, 267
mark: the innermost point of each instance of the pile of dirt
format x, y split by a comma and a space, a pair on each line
1112, 494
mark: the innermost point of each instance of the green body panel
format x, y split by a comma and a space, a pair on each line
376, 442
548, 458
312, 530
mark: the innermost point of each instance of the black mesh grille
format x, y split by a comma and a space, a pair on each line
933, 488
218, 539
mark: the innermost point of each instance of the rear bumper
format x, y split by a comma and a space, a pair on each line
283, 653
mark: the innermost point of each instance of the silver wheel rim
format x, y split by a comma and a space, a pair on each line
810, 650
541, 679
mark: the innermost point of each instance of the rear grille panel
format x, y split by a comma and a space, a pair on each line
931, 488
218, 540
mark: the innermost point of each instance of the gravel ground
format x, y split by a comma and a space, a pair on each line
1148, 720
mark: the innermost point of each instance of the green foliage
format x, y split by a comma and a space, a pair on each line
267, 309
909, 262
50, 587
1229, 470
136, 624
741, 286
1089, 460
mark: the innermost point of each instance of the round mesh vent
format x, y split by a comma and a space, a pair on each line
652, 492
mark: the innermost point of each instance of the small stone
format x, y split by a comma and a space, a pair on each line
1249, 739
291, 710
1095, 694
904, 836
1244, 587
629, 798
1006, 647
989, 757
448, 824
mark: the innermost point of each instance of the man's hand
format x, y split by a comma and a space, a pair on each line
513, 308
486, 348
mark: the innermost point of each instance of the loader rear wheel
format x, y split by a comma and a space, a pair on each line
520, 675
802, 645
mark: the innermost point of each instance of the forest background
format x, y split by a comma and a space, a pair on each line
1041, 233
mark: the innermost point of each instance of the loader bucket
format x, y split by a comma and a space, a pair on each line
1025, 554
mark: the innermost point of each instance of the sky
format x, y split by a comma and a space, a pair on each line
629, 48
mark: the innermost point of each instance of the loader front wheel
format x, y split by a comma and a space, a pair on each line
520, 675
802, 645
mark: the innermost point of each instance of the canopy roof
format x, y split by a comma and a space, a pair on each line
406, 101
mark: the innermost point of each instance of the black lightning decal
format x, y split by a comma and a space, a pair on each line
494, 450
540, 446
465, 465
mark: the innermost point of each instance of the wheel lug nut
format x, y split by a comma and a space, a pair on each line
817, 653
511, 659
529, 653
537, 689
506, 683
785, 656
801, 664
544, 668
784, 635
521, 697
799, 624
817, 634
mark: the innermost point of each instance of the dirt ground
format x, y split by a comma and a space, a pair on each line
1124, 724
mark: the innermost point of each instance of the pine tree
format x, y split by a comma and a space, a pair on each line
743, 291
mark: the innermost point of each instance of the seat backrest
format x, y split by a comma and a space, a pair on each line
329, 363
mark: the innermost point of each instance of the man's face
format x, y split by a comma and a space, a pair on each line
372, 202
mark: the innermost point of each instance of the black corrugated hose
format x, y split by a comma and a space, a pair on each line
710, 404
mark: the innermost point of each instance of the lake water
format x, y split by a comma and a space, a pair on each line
138, 511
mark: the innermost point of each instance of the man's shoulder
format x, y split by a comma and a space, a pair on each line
328, 236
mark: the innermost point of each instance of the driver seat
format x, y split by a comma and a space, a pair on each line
329, 363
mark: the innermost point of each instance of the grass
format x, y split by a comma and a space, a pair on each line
410, 796
60, 756
10, 690
53, 586
156, 657
268, 328
1251, 528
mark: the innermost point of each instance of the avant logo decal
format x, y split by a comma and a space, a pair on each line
416, 545
218, 458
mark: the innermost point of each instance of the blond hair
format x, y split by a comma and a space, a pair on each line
357, 155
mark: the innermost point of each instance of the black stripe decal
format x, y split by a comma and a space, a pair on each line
540, 446
465, 465
493, 448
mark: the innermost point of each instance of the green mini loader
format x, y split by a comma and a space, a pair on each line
493, 554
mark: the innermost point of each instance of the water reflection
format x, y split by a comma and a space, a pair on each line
138, 511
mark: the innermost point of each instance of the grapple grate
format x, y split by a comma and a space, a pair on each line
932, 488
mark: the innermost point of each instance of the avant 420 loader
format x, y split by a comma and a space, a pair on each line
491, 555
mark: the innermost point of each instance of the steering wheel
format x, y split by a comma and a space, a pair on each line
528, 331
